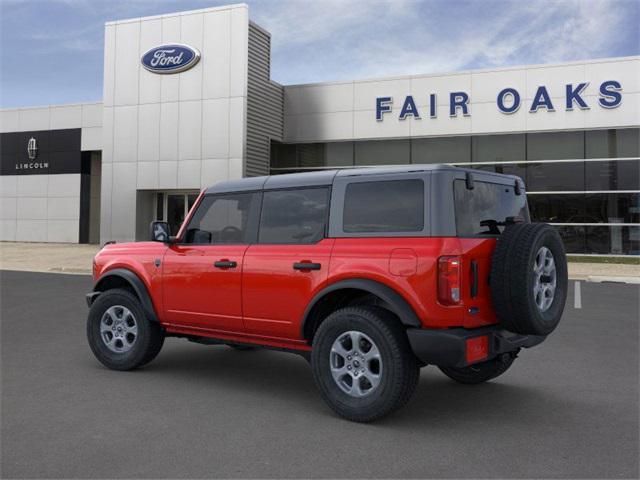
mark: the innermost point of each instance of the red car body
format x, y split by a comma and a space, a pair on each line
264, 301
370, 274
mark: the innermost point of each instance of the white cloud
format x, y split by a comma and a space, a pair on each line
325, 40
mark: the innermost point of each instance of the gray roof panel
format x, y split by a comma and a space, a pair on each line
326, 177
240, 185
306, 179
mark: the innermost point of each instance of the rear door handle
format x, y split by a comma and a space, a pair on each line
225, 264
306, 266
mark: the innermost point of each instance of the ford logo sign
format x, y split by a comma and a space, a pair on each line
173, 58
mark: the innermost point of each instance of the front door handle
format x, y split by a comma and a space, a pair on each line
306, 266
225, 264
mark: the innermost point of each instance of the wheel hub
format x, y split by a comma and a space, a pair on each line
544, 279
356, 364
118, 329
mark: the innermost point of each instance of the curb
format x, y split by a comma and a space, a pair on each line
618, 279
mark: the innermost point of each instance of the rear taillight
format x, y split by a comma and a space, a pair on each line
449, 280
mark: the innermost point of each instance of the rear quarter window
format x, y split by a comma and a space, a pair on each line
384, 206
487, 201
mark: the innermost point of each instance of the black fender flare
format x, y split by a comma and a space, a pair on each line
397, 304
136, 284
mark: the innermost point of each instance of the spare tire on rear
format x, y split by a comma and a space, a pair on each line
529, 278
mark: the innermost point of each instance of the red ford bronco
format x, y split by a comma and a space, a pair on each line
370, 274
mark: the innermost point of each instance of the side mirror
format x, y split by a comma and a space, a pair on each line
159, 232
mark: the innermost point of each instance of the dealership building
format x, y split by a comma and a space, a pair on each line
188, 101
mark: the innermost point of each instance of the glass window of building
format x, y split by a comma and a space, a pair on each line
176, 211
310, 155
338, 154
399, 206
294, 216
283, 155
613, 175
555, 145
613, 207
558, 208
555, 176
517, 169
613, 240
499, 148
612, 143
441, 150
574, 238
382, 152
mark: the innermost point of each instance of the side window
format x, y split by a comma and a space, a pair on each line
384, 206
294, 216
222, 219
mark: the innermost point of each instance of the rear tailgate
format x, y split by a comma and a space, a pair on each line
475, 292
482, 209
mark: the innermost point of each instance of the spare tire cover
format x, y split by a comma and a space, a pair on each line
529, 278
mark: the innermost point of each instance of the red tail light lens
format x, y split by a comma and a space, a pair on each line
449, 280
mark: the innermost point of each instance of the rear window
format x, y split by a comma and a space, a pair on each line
384, 206
487, 201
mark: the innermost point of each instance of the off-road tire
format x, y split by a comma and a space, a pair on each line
400, 372
150, 336
512, 278
481, 372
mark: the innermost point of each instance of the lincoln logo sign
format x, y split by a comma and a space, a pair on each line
508, 101
172, 58
32, 154
32, 149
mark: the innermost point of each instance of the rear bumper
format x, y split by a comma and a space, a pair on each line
449, 347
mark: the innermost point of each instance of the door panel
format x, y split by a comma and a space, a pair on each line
275, 294
276, 286
199, 294
202, 273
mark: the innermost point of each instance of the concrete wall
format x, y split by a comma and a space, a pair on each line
87, 116
175, 131
46, 208
40, 208
346, 110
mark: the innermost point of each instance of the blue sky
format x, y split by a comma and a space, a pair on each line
51, 50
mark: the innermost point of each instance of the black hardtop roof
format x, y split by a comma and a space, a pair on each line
326, 177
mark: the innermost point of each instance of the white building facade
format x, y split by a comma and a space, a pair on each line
103, 171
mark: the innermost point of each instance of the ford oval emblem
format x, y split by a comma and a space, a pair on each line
173, 58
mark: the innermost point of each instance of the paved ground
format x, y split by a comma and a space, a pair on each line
71, 258
568, 408
47, 257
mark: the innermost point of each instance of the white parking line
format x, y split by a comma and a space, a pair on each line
577, 297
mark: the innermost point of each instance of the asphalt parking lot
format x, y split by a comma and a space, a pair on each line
566, 409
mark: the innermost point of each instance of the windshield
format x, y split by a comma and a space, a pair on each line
487, 203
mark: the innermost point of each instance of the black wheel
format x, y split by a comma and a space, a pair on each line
241, 348
362, 363
529, 278
481, 372
120, 334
